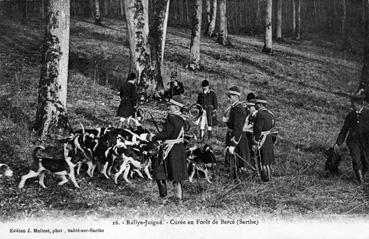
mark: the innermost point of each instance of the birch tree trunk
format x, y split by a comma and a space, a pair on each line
136, 12
298, 20
223, 27
51, 118
158, 31
279, 20
195, 36
97, 13
268, 28
207, 16
213, 17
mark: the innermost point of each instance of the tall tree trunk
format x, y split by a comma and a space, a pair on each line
213, 17
195, 36
363, 3
364, 83
42, 9
279, 20
315, 11
258, 16
51, 118
207, 16
223, 23
97, 13
22, 6
106, 8
298, 20
92, 8
343, 20
187, 15
294, 16
121, 6
136, 12
158, 31
268, 28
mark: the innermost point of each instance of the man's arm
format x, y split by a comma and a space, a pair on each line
258, 127
238, 121
166, 132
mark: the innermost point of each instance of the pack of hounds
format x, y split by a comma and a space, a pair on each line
113, 152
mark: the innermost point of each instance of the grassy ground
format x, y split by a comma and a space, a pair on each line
304, 82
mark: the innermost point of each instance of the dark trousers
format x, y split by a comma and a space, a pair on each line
359, 159
162, 186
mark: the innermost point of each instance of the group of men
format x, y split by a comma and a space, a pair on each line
248, 128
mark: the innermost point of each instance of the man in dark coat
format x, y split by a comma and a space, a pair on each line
207, 99
172, 164
236, 138
128, 98
356, 128
264, 121
175, 86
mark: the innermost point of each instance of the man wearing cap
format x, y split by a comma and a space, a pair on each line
264, 121
356, 128
207, 99
236, 139
175, 86
128, 98
172, 165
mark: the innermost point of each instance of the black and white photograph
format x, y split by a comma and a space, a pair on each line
200, 119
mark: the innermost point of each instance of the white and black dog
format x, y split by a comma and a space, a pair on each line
60, 165
199, 160
5, 170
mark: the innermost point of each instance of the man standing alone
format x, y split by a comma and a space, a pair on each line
356, 128
207, 99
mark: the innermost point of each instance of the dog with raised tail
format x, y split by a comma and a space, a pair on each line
60, 166
5, 170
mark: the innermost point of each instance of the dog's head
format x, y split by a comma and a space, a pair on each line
208, 154
333, 161
5, 170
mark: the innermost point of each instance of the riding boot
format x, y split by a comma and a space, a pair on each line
178, 193
209, 135
359, 175
162, 186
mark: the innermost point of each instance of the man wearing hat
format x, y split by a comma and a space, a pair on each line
128, 99
236, 138
207, 99
264, 121
175, 86
356, 132
172, 165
